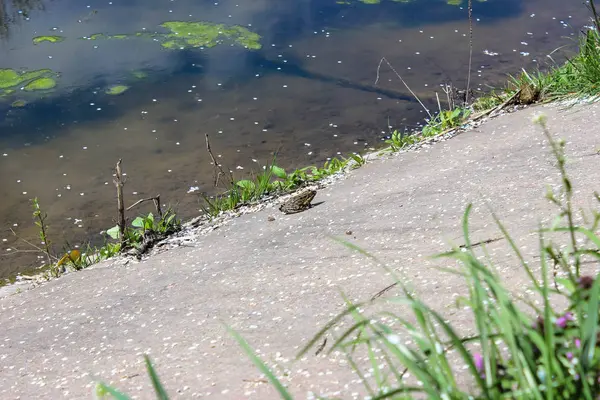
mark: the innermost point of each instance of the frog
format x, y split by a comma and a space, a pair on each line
299, 202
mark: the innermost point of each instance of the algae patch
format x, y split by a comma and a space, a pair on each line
41, 79
18, 103
6, 92
95, 36
206, 34
139, 74
51, 39
449, 2
40, 84
9, 78
183, 35
116, 90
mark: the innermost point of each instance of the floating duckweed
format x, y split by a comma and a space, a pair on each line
194, 34
206, 34
40, 84
18, 103
39, 73
139, 74
9, 78
51, 39
116, 90
95, 36
6, 92
450, 2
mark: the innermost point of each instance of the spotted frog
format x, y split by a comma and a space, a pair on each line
298, 203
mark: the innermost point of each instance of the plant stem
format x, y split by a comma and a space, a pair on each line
470, 7
120, 204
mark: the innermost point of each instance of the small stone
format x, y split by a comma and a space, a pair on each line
271, 218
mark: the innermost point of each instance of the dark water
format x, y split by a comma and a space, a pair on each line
308, 93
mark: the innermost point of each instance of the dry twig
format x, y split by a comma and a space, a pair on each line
120, 203
470, 7
155, 199
401, 80
218, 169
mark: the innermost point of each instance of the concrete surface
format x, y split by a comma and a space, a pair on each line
277, 282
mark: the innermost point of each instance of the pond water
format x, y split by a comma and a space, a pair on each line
308, 92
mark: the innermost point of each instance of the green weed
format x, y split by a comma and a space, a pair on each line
398, 140
578, 77
517, 353
102, 390
89, 255
146, 225
40, 221
274, 180
491, 100
445, 120
441, 123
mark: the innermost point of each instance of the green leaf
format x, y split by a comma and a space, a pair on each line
567, 283
160, 391
590, 327
113, 232
246, 184
278, 172
260, 364
138, 222
102, 390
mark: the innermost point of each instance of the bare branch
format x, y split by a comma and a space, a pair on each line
120, 203
401, 80
218, 169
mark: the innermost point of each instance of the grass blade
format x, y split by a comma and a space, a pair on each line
160, 391
260, 364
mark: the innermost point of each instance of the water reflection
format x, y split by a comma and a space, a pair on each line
14, 11
309, 92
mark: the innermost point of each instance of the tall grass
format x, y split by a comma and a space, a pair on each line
579, 76
523, 352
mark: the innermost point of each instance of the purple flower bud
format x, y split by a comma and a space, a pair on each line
478, 360
562, 321
577, 342
569, 356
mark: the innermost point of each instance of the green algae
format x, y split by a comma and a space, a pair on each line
10, 79
450, 2
40, 84
18, 103
95, 36
116, 90
139, 74
27, 76
6, 92
51, 39
183, 35
206, 34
